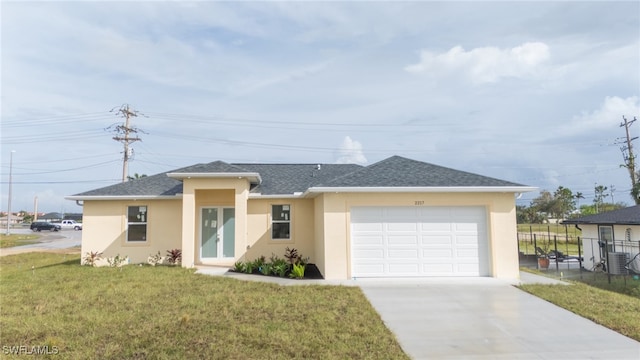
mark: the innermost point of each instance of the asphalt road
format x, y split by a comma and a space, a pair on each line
49, 241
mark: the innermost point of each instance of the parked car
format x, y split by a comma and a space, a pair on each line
43, 225
71, 224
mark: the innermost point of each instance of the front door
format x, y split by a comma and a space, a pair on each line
217, 233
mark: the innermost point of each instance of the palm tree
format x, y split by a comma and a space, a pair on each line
136, 176
578, 196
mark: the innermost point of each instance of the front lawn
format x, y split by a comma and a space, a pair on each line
12, 240
618, 312
144, 312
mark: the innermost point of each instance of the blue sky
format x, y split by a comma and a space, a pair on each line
531, 92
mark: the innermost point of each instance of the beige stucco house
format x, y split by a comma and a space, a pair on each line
395, 218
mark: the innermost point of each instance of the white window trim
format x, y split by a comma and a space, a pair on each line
145, 223
272, 221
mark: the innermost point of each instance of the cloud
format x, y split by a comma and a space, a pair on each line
351, 152
485, 64
610, 112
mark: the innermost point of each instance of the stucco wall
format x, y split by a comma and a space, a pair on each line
259, 229
199, 192
501, 225
320, 225
105, 226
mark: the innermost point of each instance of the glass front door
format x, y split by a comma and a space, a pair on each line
217, 233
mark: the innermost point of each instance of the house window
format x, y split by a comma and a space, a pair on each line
280, 222
137, 223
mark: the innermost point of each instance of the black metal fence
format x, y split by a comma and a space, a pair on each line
572, 256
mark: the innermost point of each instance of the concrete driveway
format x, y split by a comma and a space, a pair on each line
486, 318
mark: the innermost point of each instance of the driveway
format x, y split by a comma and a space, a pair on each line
487, 318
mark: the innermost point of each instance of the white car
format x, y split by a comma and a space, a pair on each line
70, 224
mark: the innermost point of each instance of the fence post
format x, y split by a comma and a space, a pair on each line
535, 248
606, 256
555, 246
580, 256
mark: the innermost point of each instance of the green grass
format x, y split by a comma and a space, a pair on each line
567, 248
567, 238
553, 229
170, 313
611, 309
12, 240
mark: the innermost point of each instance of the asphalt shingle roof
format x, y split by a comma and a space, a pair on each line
626, 216
281, 179
397, 171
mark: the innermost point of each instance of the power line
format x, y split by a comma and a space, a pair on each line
126, 134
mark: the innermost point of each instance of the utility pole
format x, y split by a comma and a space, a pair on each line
10, 194
630, 158
612, 190
126, 134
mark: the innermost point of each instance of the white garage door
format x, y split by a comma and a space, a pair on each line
419, 241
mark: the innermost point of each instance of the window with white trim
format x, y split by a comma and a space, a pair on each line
137, 223
281, 222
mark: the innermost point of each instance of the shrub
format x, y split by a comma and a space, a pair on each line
257, 263
116, 261
294, 257
265, 269
238, 266
279, 266
291, 255
248, 267
174, 256
91, 258
297, 272
156, 259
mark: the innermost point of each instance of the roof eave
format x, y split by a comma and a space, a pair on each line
124, 197
428, 189
275, 196
589, 222
252, 176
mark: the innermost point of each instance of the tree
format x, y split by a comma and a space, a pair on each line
598, 200
578, 196
564, 202
558, 205
136, 176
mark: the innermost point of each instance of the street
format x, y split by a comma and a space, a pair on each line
49, 241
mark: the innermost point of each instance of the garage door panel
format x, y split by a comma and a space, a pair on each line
437, 253
467, 239
419, 241
403, 254
438, 269
403, 269
368, 226
470, 269
400, 213
374, 269
363, 240
435, 226
467, 254
393, 240
370, 254
402, 227
437, 240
